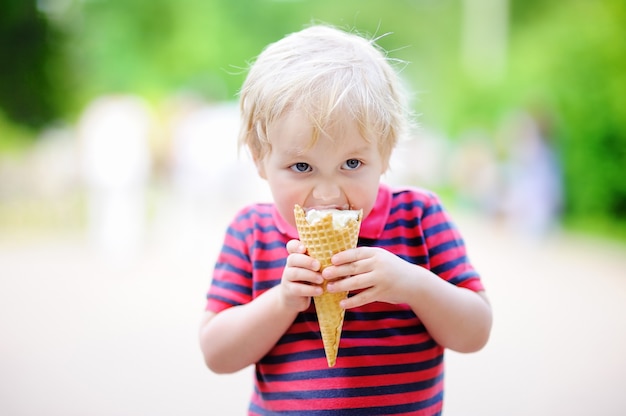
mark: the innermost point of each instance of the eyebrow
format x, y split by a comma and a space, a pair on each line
361, 150
294, 152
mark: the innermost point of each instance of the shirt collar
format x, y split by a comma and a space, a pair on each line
372, 226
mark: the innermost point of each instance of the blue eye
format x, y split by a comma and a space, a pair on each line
301, 167
352, 164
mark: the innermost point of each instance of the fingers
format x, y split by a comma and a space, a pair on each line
351, 283
302, 289
299, 284
351, 255
295, 246
304, 262
298, 258
301, 275
348, 263
363, 271
359, 299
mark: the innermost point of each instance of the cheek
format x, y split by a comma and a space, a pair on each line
286, 194
363, 194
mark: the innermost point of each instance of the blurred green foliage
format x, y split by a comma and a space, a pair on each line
157, 46
581, 69
567, 58
28, 52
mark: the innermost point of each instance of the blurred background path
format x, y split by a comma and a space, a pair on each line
84, 335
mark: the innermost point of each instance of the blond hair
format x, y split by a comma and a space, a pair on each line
323, 72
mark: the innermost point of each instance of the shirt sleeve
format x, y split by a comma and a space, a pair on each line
446, 248
231, 282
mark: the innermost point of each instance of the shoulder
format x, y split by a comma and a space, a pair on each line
249, 220
414, 200
253, 214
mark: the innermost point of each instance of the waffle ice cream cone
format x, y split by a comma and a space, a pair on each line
328, 233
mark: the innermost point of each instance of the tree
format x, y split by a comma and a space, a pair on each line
28, 93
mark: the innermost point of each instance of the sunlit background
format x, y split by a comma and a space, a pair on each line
119, 172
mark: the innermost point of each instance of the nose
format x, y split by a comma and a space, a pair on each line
326, 192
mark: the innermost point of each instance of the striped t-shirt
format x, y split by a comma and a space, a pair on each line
388, 364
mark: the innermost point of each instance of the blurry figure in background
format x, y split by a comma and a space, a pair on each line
205, 173
114, 133
532, 198
474, 172
419, 160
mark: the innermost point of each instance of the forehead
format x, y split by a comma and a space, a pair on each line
299, 132
293, 126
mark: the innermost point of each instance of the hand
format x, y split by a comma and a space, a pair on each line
301, 278
379, 275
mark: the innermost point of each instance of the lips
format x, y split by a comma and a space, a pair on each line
344, 207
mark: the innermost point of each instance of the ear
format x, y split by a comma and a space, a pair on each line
259, 161
385, 165
260, 167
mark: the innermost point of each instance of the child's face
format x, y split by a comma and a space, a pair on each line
342, 170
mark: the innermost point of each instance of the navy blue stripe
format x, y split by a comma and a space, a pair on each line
300, 336
388, 369
293, 357
420, 260
223, 299
266, 284
362, 351
378, 334
308, 316
432, 209
384, 332
406, 206
255, 212
266, 229
463, 277
231, 251
398, 241
373, 316
402, 223
269, 264
228, 267
443, 247
240, 235
416, 241
386, 350
369, 411
271, 245
449, 265
435, 229
232, 287
354, 392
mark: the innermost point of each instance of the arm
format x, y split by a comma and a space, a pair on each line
241, 335
457, 318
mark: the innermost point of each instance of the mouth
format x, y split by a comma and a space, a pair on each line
345, 207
